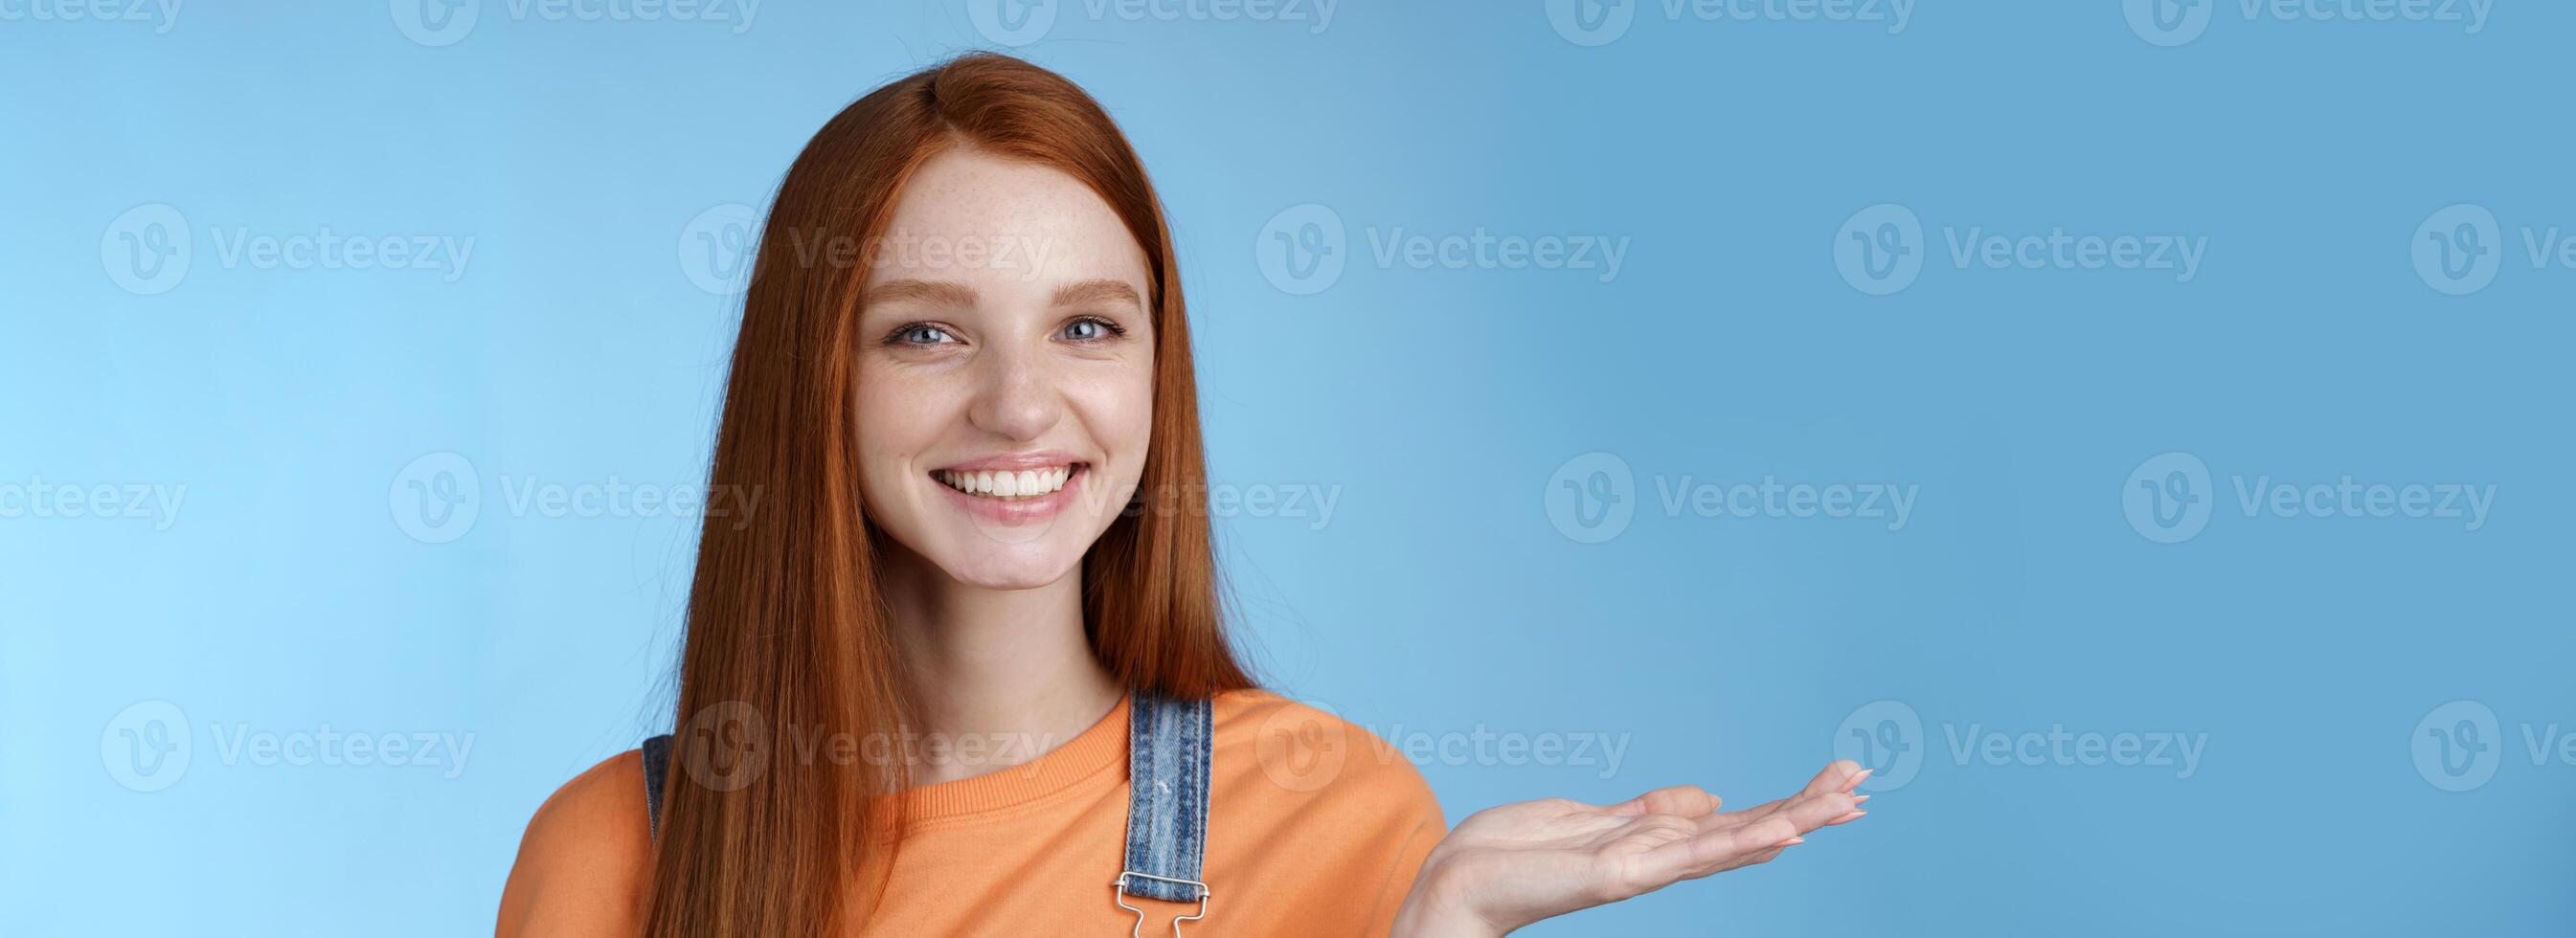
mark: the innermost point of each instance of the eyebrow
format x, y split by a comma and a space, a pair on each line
1087, 292
931, 292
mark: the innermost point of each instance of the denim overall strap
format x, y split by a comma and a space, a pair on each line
1168, 750
657, 762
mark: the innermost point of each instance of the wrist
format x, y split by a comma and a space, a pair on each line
1436, 908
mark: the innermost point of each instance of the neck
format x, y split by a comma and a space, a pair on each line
1001, 676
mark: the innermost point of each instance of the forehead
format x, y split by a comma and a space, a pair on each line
1007, 225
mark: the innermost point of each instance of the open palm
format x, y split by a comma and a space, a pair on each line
1508, 866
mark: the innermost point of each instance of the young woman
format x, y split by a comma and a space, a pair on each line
969, 675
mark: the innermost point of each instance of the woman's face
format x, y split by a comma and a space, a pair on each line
1005, 376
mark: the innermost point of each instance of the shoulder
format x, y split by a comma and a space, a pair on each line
582, 863
1345, 817
1271, 748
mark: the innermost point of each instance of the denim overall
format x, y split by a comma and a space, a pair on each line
1168, 750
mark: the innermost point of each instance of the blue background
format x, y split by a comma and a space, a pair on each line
286, 594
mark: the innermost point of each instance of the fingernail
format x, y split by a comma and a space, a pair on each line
1864, 799
1791, 842
1846, 819
1857, 777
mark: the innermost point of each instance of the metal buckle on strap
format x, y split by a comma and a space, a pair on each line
1139, 930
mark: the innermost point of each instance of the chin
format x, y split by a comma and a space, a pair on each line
984, 564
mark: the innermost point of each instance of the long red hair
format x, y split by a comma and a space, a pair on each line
786, 622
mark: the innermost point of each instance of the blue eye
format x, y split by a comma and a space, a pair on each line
1092, 329
922, 334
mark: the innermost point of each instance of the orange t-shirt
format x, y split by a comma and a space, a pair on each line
1315, 827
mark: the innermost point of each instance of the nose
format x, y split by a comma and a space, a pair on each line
1016, 397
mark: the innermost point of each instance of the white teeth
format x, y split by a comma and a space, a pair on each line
1025, 483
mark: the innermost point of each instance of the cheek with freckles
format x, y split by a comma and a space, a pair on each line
1120, 412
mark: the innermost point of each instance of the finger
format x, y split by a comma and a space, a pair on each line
1690, 801
1716, 851
1809, 813
1746, 816
1806, 812
1841, 775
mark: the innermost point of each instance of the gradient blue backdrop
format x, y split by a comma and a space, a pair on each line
282, 407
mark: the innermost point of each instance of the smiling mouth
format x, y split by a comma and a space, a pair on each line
1005, 485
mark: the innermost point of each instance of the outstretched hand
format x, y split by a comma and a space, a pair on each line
1505, 867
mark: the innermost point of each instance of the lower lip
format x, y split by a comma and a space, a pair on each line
1021, 510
